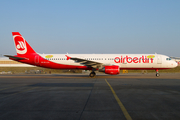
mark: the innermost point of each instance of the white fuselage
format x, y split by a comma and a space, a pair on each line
124, 61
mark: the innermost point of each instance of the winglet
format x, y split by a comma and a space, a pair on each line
68, 57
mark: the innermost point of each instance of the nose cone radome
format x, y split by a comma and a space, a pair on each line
175, 64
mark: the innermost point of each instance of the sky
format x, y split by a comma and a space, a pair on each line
92, 26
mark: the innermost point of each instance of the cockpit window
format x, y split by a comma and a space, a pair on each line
168, 59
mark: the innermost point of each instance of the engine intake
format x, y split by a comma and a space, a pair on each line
112, 70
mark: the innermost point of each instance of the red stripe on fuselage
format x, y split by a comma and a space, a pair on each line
143, 68
37, 60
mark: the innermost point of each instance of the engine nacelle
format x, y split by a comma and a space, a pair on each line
112, 70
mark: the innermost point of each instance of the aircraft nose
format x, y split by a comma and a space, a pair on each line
175, 64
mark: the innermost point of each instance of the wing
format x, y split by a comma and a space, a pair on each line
88, 63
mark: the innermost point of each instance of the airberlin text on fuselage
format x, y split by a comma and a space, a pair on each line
128, 59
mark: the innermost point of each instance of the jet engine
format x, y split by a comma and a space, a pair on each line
112, 70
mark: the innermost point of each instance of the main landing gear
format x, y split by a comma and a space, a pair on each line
157, 73
92, 74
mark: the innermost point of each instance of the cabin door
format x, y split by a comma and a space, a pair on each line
36, 59
159, 60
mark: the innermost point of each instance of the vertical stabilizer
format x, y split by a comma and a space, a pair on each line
21, 45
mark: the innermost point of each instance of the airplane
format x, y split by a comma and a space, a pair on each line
107, 63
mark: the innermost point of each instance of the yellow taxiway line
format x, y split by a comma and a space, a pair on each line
126, 114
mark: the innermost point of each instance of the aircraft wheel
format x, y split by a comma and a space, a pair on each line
157, 74
92, 74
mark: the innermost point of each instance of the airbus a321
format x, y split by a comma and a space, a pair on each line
107, 63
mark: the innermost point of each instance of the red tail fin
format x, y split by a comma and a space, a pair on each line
21, 45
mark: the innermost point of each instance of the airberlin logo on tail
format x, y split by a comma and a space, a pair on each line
20, 44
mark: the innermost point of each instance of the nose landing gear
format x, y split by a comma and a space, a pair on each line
157, 73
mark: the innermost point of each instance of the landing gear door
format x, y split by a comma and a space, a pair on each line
159, 60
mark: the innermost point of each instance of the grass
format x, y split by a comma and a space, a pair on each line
16, 70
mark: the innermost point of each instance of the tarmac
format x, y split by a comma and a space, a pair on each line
78, 97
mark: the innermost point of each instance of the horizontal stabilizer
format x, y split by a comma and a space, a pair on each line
15, 58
